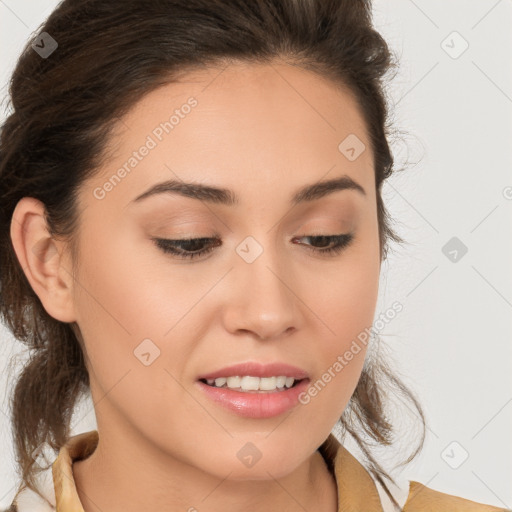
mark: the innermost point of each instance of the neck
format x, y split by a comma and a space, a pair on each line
116, 479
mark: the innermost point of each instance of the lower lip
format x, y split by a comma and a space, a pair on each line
256, 405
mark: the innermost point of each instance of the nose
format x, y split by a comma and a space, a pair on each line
261, 300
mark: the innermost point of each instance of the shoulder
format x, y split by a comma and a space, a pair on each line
425, 499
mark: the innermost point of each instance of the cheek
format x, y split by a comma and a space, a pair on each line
346, 301
130, 312
126, 287
117, 306
344, 296
125, 311
340, 360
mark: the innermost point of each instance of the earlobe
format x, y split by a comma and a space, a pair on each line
41, 258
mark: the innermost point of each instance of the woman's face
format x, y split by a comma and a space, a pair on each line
153, 323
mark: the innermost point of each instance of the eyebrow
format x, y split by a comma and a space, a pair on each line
227, 197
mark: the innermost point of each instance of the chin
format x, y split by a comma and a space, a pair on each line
242, 468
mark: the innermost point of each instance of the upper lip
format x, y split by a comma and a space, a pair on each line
255, 369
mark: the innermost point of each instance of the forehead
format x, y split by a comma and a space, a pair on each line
270, 126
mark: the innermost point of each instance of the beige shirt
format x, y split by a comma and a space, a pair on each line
357, 491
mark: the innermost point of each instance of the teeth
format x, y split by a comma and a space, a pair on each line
220, 382
267, 383
234, 382
249, 383
289, 382
280, 382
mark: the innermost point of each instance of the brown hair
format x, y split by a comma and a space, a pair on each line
109, 55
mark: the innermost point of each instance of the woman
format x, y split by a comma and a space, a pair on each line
192, 229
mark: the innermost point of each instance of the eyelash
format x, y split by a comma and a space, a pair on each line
167, 245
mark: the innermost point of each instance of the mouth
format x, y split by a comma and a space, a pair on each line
253, 384
254, 403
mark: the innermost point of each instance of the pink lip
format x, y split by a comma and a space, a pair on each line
257, 370
255, 404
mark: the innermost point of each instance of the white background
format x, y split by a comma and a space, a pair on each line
452, 340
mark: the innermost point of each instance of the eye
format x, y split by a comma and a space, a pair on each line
337, 243
190, 248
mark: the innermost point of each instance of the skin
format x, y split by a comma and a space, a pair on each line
262, 131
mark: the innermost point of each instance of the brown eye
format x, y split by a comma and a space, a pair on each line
186, 247
337, 242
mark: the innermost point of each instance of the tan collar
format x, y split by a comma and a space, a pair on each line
78, 447
356, 488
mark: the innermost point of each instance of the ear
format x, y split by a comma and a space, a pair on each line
43, 259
